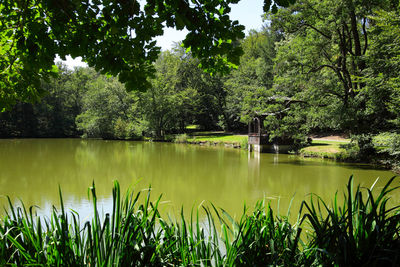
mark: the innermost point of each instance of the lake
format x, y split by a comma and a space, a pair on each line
186, 175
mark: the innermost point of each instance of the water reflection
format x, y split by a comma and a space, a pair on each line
32, 169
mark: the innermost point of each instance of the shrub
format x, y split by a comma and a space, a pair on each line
120, 129
181, 138
367, 149
389, 144
360, 148
136, 130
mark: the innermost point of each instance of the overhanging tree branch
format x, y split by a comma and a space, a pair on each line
315, 29
334, 68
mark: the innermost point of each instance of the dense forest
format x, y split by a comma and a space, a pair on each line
316, 66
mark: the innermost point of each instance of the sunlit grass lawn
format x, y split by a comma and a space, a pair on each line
219, 137
193, 127
325, 149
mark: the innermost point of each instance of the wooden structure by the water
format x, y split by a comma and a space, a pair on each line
258, 138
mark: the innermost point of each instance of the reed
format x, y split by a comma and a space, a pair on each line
363, 230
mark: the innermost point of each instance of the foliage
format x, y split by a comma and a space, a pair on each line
82, 101
363, 230
181, 94
181, 138
108, 110
322, 61
388, 144
315, 67
158, 103
259, 238
248, 86
384, 64
55, 115
113, 37
244, 143
366, 146
361, 148
391, 144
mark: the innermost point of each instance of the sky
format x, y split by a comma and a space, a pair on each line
247, 12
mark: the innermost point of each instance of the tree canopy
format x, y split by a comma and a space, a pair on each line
114, 37
316, 66
326, 58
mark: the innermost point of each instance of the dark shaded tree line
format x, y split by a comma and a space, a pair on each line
82, 102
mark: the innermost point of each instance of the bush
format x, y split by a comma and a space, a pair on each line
367, 149
222, 123
136, 130
361, 148
120, 129
389, 146
352, 150
181, 138
393, 146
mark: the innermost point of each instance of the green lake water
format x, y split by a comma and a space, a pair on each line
186, 175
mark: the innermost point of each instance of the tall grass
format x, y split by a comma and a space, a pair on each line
363, 230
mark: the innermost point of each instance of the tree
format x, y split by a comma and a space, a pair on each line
181, 94
158, 103
250, 85
322, 59
383, 60
55, 115
202, 95
108, 110
114, 37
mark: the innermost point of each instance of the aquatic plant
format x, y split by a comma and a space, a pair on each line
363, 230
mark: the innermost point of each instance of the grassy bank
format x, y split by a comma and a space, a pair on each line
361, 231
318, 148
214, 138
326, 149
381, 150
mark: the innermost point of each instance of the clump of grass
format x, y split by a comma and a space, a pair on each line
363, 230
244, 143
218, 137
134, 234
259, 239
